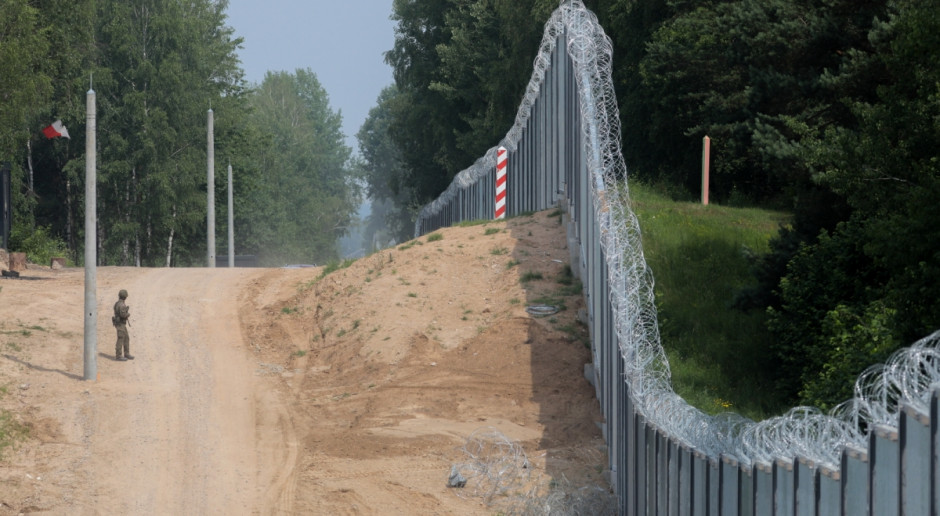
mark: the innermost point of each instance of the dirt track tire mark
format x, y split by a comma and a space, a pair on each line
175, 431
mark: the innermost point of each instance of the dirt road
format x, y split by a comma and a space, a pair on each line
276, 391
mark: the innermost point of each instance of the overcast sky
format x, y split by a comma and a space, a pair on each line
342, 41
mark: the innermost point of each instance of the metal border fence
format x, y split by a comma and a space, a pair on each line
877, 454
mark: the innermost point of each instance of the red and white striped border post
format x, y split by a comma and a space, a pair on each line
501, 183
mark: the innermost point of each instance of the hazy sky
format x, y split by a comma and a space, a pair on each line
342, 41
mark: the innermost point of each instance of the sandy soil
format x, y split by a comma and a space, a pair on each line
271, 391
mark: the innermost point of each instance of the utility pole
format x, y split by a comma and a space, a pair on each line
91, 248
231, 221
210, 187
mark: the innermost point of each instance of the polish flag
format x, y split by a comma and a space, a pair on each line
56, 130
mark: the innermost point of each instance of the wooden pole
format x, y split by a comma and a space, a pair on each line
706, 156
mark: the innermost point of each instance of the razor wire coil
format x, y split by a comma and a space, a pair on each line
806, 432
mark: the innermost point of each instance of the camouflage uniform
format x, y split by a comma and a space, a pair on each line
121, 314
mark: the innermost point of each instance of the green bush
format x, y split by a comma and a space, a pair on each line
854, 341
39, 244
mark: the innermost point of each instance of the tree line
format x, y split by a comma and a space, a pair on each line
829, 110
157, 67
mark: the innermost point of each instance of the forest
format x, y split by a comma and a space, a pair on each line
828, 110
157, 68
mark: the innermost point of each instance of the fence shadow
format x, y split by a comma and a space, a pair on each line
569, 412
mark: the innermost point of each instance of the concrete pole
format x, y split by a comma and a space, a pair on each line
231, 221
210, 187
91, 248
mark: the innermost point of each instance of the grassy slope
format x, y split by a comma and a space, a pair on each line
698, 255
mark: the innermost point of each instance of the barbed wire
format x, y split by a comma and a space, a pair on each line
906, 377
496, 470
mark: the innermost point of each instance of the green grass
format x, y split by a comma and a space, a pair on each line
471, 223
698, 255
434, 237
530, 276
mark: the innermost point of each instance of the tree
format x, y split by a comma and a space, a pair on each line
161, 65
870, 284
304, 196
461, 68
24, 87
749, 74
393, 198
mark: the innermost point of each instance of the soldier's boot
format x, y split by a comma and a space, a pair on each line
121, 359
128, 357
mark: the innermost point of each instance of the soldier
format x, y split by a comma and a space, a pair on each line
121, 315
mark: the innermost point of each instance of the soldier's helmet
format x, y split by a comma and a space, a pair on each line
122, 294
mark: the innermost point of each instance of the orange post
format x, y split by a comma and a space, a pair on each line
706, 152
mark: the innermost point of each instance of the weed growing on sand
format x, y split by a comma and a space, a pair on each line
576, 332
11, 430
491, 231
530, 276
434, 237
511, 264
327, 269
412, 294
499, 251
409, 245
299, 353
470, 223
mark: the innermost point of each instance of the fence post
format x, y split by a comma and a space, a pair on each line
854, 481
729, 493
783, 487
699, 496
746, 490
885, 470
935, 447
805, 480
828, 499
763, 489
915, 464
935, 439
685, 481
